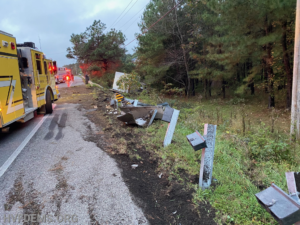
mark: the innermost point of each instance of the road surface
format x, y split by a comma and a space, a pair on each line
77, 81
60, 178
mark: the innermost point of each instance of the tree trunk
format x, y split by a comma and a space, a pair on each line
209, 88
238, 78
223, 87
193, 87
265, 71
288, 70
270, 77
252, 88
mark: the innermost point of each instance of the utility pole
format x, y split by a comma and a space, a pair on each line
295, 114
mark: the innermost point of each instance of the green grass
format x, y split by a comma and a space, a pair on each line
243, 160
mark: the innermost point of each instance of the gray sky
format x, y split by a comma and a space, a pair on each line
55, 20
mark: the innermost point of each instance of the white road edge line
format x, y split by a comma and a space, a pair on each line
12, 158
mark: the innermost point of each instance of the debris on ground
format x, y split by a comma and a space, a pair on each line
133, 166
274, 199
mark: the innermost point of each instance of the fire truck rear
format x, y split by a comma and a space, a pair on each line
27, 81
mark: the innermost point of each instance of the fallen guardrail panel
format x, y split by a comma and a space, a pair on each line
282, 207
196, 141
136, 118
144, 110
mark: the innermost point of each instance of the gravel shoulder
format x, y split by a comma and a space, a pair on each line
61, 174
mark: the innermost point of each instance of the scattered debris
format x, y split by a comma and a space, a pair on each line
281, 206
133, 166
95, 107
160, 175
141, 111
174, 212
136, 118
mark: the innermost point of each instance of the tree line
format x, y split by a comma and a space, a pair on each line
243, 46
234, 47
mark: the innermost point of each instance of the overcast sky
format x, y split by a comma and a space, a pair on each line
54, 21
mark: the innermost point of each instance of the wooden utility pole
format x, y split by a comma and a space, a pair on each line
295, 115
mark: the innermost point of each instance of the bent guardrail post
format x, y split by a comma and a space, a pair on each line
171, 127
292, 187
152, 118
207, 157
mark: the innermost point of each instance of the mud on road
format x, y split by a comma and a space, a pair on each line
163, 201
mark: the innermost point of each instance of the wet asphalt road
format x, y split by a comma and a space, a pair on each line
77, 81
19, 131
62, 177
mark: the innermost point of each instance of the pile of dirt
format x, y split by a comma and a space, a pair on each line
163, 201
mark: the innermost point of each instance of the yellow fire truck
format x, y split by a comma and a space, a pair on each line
27, 81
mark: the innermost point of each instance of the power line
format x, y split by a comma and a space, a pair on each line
126, 12
132, 23
155, 22
134, 15
120, 14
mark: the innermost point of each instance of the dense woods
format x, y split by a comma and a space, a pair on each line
210, 48
234, 47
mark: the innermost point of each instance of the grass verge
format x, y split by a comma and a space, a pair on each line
253, 149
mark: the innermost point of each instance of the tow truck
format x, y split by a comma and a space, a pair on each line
27, 81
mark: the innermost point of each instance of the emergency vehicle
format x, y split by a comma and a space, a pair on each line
27, 81
61, 74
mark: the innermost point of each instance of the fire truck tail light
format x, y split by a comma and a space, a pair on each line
68, 78
0, 109
12, 45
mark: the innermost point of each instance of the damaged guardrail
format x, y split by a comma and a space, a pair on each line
285, 208
141, 114
207, 144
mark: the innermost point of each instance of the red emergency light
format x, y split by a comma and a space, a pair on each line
12, 45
